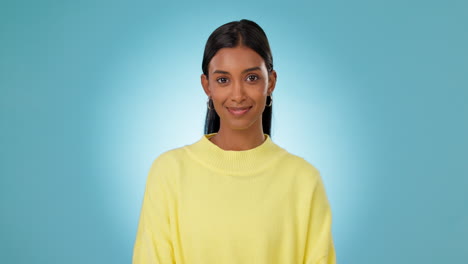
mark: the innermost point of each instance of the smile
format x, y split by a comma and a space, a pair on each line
238, 111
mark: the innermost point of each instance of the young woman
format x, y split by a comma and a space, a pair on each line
235, 196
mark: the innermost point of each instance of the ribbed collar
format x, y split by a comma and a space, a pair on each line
235, 161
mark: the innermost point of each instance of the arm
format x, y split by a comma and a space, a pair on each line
319, 246
153, 243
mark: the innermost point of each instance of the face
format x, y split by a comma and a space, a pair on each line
238, 83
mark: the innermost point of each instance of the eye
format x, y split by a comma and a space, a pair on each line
221, 80
252, 77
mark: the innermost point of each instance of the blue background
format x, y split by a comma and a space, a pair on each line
373, 93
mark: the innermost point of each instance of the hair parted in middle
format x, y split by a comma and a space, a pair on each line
230, 35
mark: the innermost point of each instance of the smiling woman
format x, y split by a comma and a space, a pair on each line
238, 85
235, 196
238, 45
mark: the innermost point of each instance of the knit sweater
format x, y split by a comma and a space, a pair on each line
206, 205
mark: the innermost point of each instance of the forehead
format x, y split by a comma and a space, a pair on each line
236, 59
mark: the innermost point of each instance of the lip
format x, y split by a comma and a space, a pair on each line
238, 111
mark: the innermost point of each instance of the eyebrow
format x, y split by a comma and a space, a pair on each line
244, 71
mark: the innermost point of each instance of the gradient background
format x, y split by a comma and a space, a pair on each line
373, 93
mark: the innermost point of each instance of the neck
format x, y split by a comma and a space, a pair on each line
238, 139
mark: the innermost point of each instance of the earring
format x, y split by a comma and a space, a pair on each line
208, 103
271, 101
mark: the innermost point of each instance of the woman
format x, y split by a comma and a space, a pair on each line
234, 196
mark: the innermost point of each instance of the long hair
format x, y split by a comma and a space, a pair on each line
229, 36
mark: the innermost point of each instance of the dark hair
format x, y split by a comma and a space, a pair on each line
230, 35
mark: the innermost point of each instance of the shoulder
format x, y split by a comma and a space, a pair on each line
298, 162
168, 159
300, 167
164, 167
309, 178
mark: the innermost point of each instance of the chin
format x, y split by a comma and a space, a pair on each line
241, 124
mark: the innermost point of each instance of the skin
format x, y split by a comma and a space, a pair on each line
238, 77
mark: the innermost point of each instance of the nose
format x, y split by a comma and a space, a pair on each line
238, 92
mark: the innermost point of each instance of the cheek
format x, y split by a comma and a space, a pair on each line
218, 100
257, 92
260, 88
216, 95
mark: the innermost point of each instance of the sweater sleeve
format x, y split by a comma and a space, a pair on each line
319, 246
153, 243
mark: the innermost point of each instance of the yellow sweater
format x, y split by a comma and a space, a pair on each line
206, 205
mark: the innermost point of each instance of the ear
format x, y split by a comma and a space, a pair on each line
204, 83
271, 81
